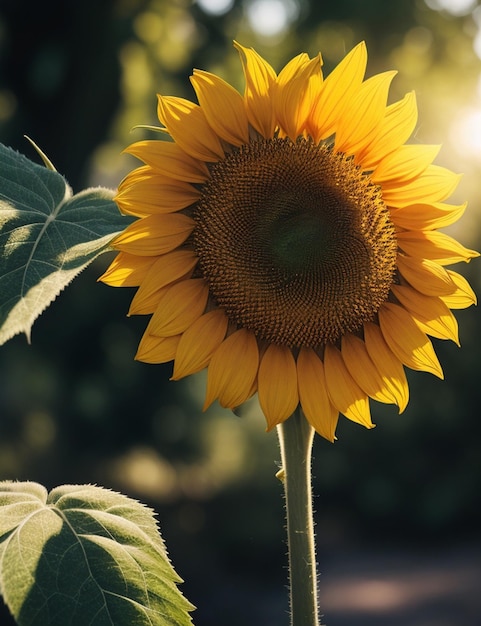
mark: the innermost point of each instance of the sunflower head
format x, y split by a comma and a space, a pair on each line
287, 239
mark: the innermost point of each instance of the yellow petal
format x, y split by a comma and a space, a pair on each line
312, 94
188, 127
260, 79
404, 164
366, 112
145, 304
407, 340
394, 130
155, 234
167, 269
223, 107
463, 296
426, 276
139, 173
292, 70
313, 396
178, 308
127, 270
435, 246
345, 394
434, 185
387, 364
157, 349
337, 92
232, 370
312, 90
199, 342
167, 158
287, 80
431, 313
427, 216
154, 194
294, 95
277, 384
363, 370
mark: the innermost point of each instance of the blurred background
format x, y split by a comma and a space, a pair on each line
398, 508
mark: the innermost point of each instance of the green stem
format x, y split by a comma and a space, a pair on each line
295, 439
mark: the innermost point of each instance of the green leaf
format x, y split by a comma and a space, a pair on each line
47, 237
84, 556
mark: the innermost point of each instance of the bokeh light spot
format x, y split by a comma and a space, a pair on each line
455, 7
216, 7
465, 132
271, 17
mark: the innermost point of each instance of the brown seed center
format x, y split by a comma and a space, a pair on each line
295, 242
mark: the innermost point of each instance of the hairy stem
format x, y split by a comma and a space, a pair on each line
295, 439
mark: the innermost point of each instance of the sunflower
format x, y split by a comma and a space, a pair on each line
287, 240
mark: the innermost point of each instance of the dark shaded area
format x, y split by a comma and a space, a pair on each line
76, 408
60, 61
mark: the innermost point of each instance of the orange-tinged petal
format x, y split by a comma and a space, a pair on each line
127, 270
394, 130
404, 164
407, 341
345, 394
387, 364
463, 296
426, 276
157, 349
232, 370
167, 269
179, 306
366, 112
167, 158
431, 313
434, 185
277, 384
145, 303
155, 234
188, 127
154, 194
435, 246
316, 405
199, 342
260, 79
363, 370
223, 107
337, 92
427, 216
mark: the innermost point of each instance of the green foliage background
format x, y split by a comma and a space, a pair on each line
76, 408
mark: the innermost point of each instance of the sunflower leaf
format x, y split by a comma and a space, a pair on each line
84, 555
47, 237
